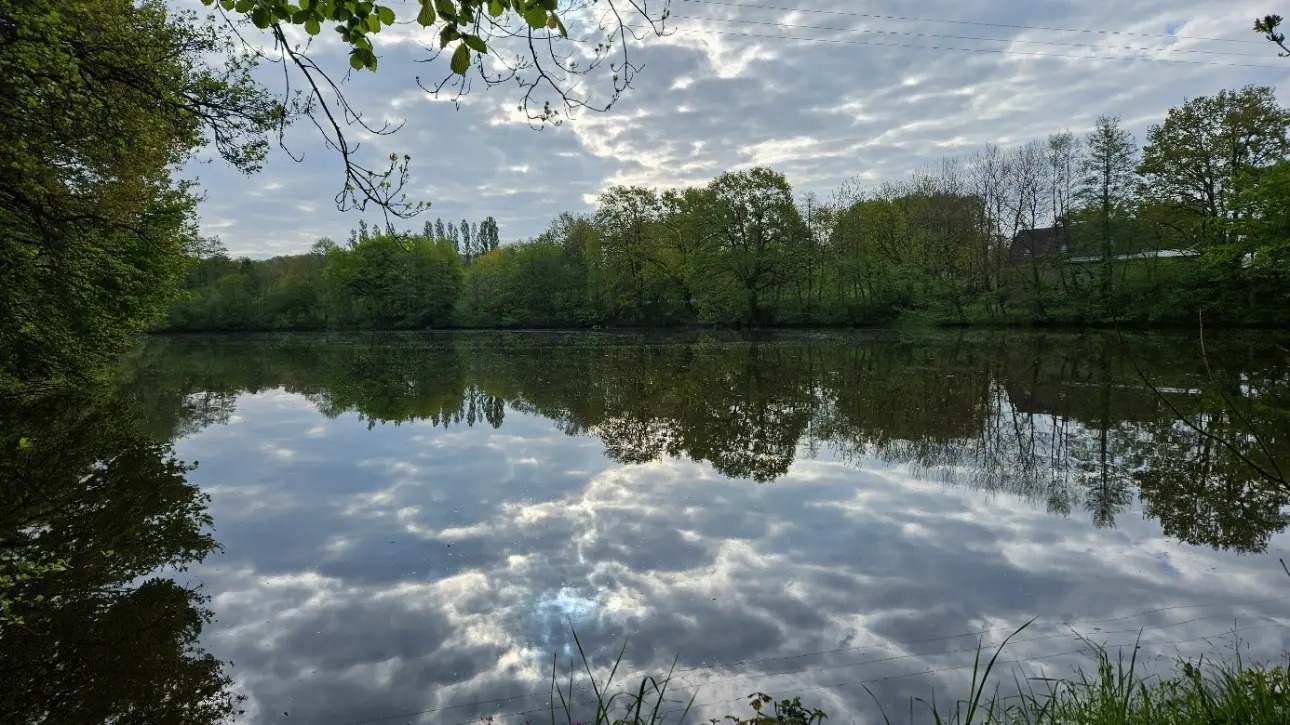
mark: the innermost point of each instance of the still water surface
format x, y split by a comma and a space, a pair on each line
405, 529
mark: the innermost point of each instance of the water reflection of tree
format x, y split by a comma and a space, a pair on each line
1058, 420
110, 638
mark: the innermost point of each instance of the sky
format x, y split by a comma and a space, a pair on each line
829, 92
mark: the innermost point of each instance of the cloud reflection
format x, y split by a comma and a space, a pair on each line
420, 568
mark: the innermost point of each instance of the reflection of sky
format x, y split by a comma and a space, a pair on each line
370, 574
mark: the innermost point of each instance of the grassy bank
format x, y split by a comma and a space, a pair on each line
1112, 691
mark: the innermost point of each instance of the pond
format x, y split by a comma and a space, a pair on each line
390, 529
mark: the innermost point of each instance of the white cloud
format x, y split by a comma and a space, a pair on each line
879, 98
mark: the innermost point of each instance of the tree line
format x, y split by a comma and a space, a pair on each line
1067, 229
1061, 421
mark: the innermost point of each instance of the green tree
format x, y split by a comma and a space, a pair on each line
108, 636
393, 281
1107, 187
1203, 153
93, 227
490, 233
758, 231
627, 218
468, 246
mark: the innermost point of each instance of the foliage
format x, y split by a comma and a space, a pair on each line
1077, 434
770, 712
1269, 26
1118, 693
100, 510
521, 42
458, 21
16, 573
1115, 693
1065, 231
1107, 188
1203, 154
101, 100
393, 281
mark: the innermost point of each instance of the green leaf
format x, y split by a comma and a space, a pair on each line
373, 23
446, 8
476, 43
355, 61
550, 22
535, 17
495, 8
261, 18
426, 17
227, 4
312, 26
243, 5
461, 59
385, 14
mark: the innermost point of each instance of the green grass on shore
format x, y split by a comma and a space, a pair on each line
1114, 692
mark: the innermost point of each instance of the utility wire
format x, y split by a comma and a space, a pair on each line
971, 22
1148, 49
978, 50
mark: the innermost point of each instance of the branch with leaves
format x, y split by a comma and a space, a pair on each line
1269, 26
544, 62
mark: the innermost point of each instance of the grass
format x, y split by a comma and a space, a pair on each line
1114, 692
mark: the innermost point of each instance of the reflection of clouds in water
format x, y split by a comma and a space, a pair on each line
410, 575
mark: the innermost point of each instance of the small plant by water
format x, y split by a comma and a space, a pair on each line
1115, 691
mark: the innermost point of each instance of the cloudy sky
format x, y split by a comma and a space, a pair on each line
825, 91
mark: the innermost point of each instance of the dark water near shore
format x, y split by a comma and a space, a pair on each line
404, 529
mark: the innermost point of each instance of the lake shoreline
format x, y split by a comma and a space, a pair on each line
1037, 327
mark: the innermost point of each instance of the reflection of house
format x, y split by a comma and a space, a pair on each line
1091, 402
1054, 242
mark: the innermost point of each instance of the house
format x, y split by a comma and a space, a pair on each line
1052, 242
1040, 243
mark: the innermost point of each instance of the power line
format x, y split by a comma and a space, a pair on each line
971, 37
978, 50
972, 22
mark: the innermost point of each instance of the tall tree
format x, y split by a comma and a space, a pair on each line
1029, 187
489, 231
1107, 187
627, 218
108, 636
93, 227
468, 245
1206, 149
1064, 159
758, 229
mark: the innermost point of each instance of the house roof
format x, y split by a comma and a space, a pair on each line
1039, 243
